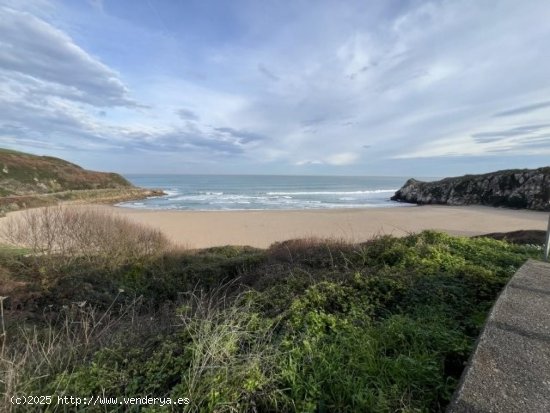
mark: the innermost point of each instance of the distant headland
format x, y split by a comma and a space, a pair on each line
28, 180
515, 188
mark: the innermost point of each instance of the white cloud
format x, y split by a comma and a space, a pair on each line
96, 4
306, 88
309, 162
346, 158
44, 60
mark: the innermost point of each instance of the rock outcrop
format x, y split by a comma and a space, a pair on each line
525, 188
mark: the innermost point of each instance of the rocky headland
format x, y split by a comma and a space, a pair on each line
518, 188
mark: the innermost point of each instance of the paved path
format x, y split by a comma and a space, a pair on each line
510, 368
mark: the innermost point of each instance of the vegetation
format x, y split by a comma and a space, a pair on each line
306, 325
533, 236
58, 236
23, 174
29, 181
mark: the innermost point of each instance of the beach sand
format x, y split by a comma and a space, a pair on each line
198, 229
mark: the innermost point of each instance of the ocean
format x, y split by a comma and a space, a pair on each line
265, 192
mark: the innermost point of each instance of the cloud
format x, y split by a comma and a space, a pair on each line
179, 140
280, 88
502, 134
309, 162
314, 121
520, 140
339, 159
523, 109
187, 114
57, 124
268, 73
96, 4
43, 60
241, 136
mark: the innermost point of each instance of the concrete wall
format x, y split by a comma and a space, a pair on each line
509, 370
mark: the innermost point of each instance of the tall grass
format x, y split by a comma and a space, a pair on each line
69, 233
224, 356
232, 357
32, 356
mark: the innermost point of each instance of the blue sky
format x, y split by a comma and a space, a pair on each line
419, 88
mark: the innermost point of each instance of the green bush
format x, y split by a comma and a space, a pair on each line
306, 326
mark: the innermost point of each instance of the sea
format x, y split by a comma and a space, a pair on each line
265, 192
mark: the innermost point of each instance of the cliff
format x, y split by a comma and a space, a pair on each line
525, 188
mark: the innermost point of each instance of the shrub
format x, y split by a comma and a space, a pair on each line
32, 356
314, 252
310, 326
219, 355
67, 234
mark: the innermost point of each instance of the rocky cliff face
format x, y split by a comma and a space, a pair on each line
525, 188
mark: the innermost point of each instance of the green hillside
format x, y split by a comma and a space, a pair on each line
26, 174
30, 181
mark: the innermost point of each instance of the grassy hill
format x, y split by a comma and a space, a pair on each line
28, 181
26, 174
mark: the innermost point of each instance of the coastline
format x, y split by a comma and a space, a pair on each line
107, 196
202, 229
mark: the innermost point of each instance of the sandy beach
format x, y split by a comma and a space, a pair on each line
200, 229
197, 229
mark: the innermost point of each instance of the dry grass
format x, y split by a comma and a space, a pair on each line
310, 250
68, 234
29, 355
231, 350
7, 282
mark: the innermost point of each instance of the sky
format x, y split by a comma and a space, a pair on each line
393, 87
